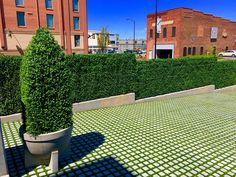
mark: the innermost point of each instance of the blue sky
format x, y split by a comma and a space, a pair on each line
113, 13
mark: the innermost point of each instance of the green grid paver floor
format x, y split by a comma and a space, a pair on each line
188, 136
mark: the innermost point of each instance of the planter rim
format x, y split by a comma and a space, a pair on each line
47, 136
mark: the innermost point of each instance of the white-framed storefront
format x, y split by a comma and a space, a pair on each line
162, 47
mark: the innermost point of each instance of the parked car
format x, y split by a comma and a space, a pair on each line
228, 53
130, 51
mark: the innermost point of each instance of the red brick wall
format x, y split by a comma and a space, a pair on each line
193, 29
35, 16
196, 32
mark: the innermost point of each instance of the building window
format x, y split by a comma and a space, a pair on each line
50, 23
21, 18
185, 51
173, 31
158, 35
76, 23
164, 32
151, 33
77, 40
194, 50
75, 5
19, 2
201, 51
48, 4
93, 36
189, 51
214, 51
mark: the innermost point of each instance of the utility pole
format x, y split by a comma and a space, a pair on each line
155, 47
128, 19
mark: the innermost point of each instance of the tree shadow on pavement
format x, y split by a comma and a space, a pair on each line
107, 167
81, 146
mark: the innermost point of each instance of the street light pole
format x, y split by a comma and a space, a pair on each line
128, 19
155, 47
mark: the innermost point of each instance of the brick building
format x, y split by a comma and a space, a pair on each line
185, 31
66, 20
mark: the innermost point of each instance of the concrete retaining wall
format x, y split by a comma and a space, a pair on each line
201, 90
104, 102
11, 118
226, 89
3, 164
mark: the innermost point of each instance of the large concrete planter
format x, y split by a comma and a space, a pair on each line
46, 143
38, 149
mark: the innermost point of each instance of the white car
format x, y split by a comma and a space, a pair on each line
228, 53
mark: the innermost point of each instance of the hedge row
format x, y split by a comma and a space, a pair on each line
99, 76
166, 76
9, 85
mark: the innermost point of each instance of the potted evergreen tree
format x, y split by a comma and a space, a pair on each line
46, 94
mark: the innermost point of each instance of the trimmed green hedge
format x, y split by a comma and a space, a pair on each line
99, 76
9, 85
159, 77
225, 74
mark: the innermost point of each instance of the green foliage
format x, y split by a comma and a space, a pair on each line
46, 87
225, 73
103, 39
9, 85
102, 75
99, 76
158, 77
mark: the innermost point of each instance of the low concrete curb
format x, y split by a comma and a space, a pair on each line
127, 99
201, 90
3, 163
226, 89
104, 102
11, 118
84, 106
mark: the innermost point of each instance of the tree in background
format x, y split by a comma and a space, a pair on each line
103, 39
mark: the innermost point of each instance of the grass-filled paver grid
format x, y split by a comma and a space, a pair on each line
188, 136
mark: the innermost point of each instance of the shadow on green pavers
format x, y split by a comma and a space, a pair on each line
81, 146
107, 167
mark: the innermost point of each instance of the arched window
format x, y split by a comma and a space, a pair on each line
201, 50
164, 32
185, 51
189, 51
173, 31
194, 50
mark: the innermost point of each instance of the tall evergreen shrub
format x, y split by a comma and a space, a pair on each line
46, 86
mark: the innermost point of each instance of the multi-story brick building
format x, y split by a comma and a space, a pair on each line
185, 31
66, 20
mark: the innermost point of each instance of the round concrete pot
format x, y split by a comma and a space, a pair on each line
46, 143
